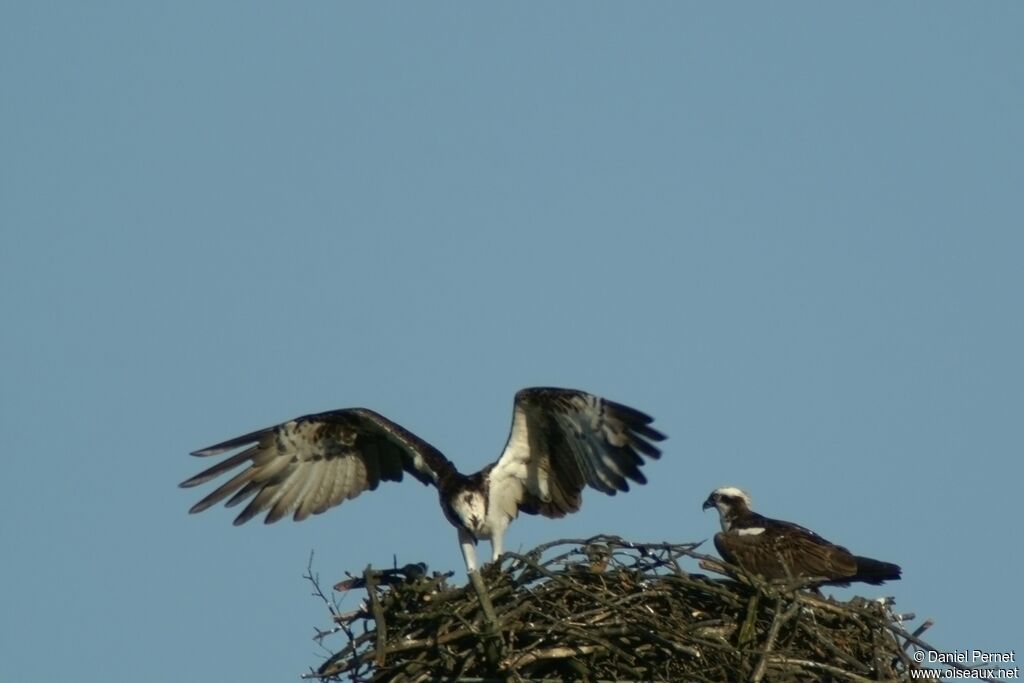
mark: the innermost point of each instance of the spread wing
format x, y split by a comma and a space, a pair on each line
312, 463
562, 440
785, 551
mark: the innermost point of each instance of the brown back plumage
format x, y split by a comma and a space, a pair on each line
786, 553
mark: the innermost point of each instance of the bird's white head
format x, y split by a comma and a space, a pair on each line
730, 502
470, 507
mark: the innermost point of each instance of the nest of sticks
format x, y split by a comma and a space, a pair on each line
605, 609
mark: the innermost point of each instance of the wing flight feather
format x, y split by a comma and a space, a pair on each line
312, 463
562, 440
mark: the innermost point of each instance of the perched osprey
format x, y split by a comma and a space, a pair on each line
782, 550
561, 440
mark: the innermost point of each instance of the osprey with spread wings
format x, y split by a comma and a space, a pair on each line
561, 440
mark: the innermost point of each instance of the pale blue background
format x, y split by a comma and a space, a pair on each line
791, 232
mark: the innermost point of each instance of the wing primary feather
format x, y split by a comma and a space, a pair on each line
231, 444
223, 491
246, 492
648, 449
610, 469
639, 478
629, 463
260, 502
627, 414
221, 467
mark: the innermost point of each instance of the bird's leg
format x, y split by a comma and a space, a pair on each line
496, 545
468, 544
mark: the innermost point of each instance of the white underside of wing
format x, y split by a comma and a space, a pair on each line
317, 482
329, 486
286, 491
309, 488
517, 471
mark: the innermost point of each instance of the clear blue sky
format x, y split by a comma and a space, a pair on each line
791, 232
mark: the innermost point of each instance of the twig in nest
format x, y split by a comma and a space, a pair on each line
773, 633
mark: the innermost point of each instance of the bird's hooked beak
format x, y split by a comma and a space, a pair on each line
709, 503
